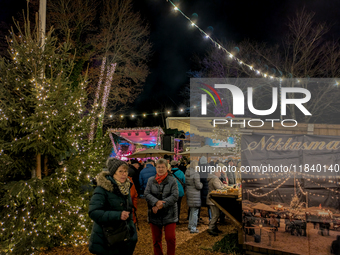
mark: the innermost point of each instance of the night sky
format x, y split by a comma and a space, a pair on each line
175, 42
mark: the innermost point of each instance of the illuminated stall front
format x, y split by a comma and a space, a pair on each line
131, 140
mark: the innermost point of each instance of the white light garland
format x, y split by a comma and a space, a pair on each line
263, 195
219, 46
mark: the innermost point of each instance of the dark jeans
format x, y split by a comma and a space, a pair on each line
209, 213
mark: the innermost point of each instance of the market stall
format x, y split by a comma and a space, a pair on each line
126, 141
229, 201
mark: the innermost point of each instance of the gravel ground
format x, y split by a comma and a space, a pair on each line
186, 243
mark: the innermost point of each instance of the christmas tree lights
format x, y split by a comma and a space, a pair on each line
44, 114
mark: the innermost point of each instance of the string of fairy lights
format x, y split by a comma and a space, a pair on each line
271, 191
252, 191
156, 113
314, 194
220, 47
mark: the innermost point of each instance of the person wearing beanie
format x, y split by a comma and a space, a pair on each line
112, 166
111, 205
180, 177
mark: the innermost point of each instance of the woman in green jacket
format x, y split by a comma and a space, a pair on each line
110, 205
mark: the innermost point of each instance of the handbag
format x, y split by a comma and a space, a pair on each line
116, 234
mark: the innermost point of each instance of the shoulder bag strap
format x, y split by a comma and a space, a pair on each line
178, 180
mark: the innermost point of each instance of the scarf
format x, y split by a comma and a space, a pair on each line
123, 187
160, 178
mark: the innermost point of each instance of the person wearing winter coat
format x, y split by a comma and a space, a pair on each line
231, 174
111, 205
161, 194
335, 248
193, 188
180, 177
134, 173
183, 165
214, 183
204, 172
145, 174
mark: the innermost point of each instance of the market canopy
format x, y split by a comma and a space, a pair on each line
150, 153
208, 150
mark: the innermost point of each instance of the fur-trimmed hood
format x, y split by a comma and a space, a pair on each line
105, 180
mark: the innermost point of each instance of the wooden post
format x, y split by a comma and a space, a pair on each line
240, 236
38, 169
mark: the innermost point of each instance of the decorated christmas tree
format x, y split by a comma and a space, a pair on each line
44, 122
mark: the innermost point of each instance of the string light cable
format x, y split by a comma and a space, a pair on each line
277, 187
219, 46
265, 186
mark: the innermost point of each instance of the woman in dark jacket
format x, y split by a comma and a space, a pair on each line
161, 194
111, 205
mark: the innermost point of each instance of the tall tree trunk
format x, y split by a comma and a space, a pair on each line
38, 169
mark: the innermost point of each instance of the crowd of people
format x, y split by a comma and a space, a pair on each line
162, 184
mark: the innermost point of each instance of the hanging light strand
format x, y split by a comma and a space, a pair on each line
216, 44
263, 195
